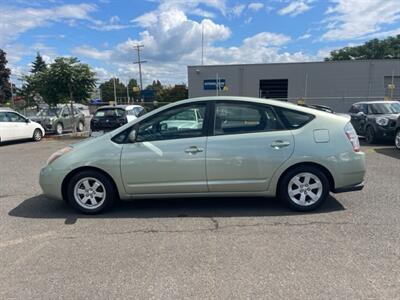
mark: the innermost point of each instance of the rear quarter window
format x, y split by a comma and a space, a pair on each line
294, 119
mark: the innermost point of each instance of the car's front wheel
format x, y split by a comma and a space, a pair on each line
304, 188
91, 192
80, 126
59, 128
37, 135
397, 139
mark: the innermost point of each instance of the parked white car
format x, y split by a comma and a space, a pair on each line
133, 112
14, 126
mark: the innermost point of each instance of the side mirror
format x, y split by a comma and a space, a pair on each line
27, 121
360, 114
132, 136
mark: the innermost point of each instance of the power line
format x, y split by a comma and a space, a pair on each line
139, 62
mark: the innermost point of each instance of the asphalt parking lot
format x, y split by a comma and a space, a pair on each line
241, 248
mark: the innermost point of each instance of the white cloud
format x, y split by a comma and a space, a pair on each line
255, 6
91, 52
169, 34
266, 39
305, 36
14, 21
238, 9
352, 19
110, 25
295, 8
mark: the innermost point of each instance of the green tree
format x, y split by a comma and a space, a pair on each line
5, 86
107, 90
388, 48
172, 94
156, 85
38, 65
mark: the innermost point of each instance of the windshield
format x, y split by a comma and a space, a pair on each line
49, 112
384, 108
110, 112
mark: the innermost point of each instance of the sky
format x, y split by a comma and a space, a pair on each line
103, 33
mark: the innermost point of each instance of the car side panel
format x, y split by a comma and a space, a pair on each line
337, 156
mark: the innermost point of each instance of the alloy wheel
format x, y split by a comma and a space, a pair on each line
59, 129
37, 135
89, 193
305, 189
397, 139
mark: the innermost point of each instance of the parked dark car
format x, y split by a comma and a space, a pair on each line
108, 118
397, 134
376, 120
59, 119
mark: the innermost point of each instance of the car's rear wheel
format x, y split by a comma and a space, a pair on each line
59, 128
370, 135
304, 188
91, 192
37, 135
397, 139
80, 126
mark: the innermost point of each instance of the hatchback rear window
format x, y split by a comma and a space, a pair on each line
111, 112
294, 119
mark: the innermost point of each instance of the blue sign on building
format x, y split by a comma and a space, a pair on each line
211, 84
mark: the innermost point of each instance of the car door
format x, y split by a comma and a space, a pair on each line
18, 125
8, 130
358, 115
248, 145
166, 158
66, 118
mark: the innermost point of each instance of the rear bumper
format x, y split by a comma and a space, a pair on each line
349, 188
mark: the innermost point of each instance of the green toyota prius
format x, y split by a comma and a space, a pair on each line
214, 146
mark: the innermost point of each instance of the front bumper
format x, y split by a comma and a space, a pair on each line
51, 181
349, 188
386, 133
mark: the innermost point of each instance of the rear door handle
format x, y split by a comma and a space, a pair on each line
280, 144
193, 150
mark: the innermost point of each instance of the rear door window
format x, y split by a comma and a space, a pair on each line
236, 118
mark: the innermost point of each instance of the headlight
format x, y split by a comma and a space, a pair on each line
58, 154
382, 121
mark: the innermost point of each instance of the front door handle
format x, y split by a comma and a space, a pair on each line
280, 144
193, 150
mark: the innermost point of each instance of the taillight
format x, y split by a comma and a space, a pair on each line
352, 136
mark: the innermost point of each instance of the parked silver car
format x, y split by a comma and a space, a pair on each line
241, 147
59, 119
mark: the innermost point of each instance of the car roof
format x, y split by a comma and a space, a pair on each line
5, 109
132, 106
377, 102
276, 103
113, 106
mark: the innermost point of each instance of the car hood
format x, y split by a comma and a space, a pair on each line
91, 140
40, 119
389, 116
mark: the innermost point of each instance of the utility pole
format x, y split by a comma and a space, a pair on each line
127, 93
139, 62
115, 92
202, 43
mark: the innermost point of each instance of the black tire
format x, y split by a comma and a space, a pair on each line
57, 129
37, 135
109, 189
397, 139
80, 127
370, 136
283, 188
